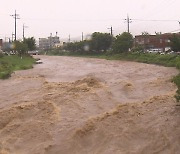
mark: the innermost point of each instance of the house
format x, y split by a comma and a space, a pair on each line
159, 41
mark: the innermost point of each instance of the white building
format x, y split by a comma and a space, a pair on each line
48, 43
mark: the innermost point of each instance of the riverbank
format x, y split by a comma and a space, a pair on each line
8, 64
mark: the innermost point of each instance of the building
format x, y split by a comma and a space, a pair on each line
61, 44
159, 41
5, 46
48, 43
44, 44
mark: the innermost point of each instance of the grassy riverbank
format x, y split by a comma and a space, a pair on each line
168, 60
8, 64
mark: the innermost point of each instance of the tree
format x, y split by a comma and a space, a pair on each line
122, 42
80, 47
20, 47
158, 33
175, 43
100, 41
145, 33
31, 43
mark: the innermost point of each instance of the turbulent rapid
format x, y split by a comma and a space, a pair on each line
71, 105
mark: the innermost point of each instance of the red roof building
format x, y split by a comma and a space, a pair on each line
159, 41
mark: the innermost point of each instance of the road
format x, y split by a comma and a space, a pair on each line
84, 105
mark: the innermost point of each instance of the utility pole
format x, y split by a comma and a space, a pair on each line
111, 29
12, 37
50, 41
5, 38
69, 38
15, 16
82, 36
128, 22
23, 30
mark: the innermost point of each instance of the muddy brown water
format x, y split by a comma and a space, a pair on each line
69, 105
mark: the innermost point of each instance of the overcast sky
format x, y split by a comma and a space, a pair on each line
76, 16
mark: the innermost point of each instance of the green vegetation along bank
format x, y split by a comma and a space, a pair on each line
8, 64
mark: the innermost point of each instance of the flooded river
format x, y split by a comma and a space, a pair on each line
69, 105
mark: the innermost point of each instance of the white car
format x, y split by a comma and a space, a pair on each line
154, 51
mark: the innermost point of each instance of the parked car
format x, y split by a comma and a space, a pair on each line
35, 52
171, 52
12, 52
154, 50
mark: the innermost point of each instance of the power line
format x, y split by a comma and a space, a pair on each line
174, 31
15, 16
156, 20
96, 20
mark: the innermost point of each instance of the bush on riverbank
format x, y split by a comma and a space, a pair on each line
8, 64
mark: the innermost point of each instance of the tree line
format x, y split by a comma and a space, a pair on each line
99, 43
102, 42
22, 47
